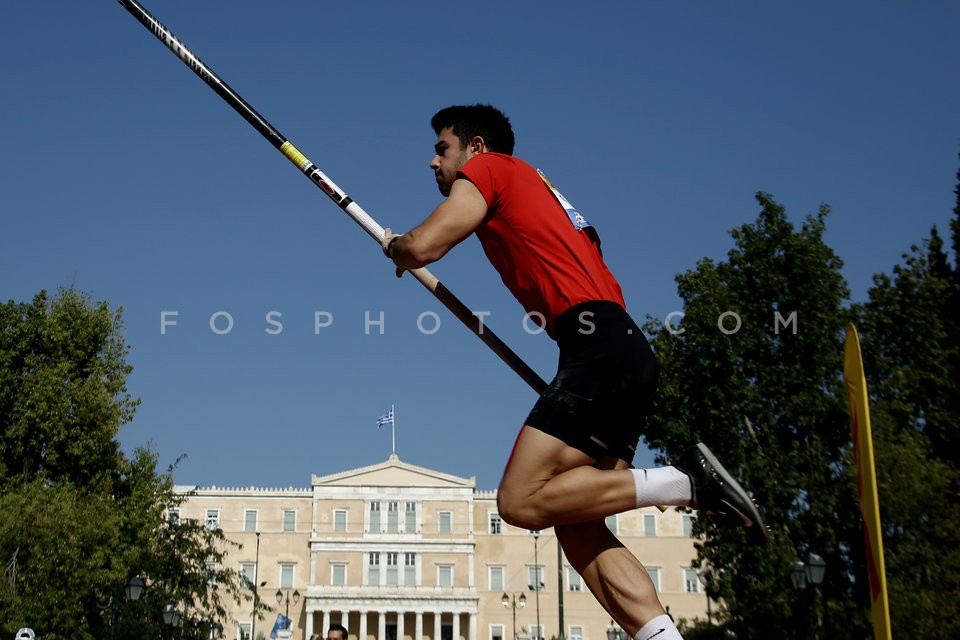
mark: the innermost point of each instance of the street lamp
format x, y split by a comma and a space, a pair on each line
296, 599
614, 632
171, 617
538, 582
132, 590
707, 575
256, 590
809, 573
514, 602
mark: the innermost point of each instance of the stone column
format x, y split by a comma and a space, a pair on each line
362, 634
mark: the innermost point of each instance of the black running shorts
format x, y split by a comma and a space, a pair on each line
605, 385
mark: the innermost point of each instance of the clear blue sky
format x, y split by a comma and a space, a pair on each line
121, 173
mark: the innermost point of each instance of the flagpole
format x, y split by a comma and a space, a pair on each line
393, 428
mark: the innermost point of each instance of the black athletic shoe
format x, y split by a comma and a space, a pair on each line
717, 493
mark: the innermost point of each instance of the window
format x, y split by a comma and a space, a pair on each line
410, 569
445, 522
212, 519
373, 568
246, 628
654, 573
576, 633
445, 575
649, 525
248, 575
410, 519
338, 573
340, 520
536, 631
374, 517
574, 581
250, 520
496, 524
289, 520
611, 522
688, 525
392, 576
495, 580
286, 575
496, 632
691, 581
393, 517
173, 516
535, 577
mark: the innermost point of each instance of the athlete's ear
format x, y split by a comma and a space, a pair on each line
477, 145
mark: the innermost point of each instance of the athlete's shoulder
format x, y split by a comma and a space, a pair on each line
499, 160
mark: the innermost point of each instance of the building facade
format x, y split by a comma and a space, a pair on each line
395, 551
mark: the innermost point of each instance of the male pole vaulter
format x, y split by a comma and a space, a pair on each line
571, 464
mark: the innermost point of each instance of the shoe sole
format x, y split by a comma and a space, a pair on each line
752, 521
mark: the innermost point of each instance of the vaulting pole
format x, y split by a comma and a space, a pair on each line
450, 301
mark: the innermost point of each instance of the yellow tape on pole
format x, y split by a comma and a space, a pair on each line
856, 388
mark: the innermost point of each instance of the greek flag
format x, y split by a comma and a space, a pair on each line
386, 418
282, 623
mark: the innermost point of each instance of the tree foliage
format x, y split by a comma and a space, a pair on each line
84, 517
753, 371
765, 393
63, 394
912, 326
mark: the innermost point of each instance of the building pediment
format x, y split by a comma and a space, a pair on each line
393, 473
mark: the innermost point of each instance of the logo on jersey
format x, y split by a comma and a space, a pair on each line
576, 218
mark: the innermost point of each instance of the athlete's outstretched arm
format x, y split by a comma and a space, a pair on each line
450, 223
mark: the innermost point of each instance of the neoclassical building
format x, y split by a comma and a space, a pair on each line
395, 551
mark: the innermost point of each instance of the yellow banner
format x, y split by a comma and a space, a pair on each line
856, 388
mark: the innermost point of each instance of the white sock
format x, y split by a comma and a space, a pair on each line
661, 486
660, 628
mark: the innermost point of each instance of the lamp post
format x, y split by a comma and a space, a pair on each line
296, 599
132, 590
614, 632
514, 602
171, 618
256, 590
560, 633
806, 574
538, 583
708, 574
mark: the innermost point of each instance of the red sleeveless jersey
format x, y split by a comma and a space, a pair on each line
543, 259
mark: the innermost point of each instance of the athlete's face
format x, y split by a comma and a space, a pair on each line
449, 157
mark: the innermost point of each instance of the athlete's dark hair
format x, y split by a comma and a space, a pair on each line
476, 120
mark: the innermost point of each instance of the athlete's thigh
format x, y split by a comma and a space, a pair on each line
536, 458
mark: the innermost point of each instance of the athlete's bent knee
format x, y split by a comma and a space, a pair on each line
521, 512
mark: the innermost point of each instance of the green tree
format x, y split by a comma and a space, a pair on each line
86, 517
56, 553
911, 331
753, 370
63, 394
